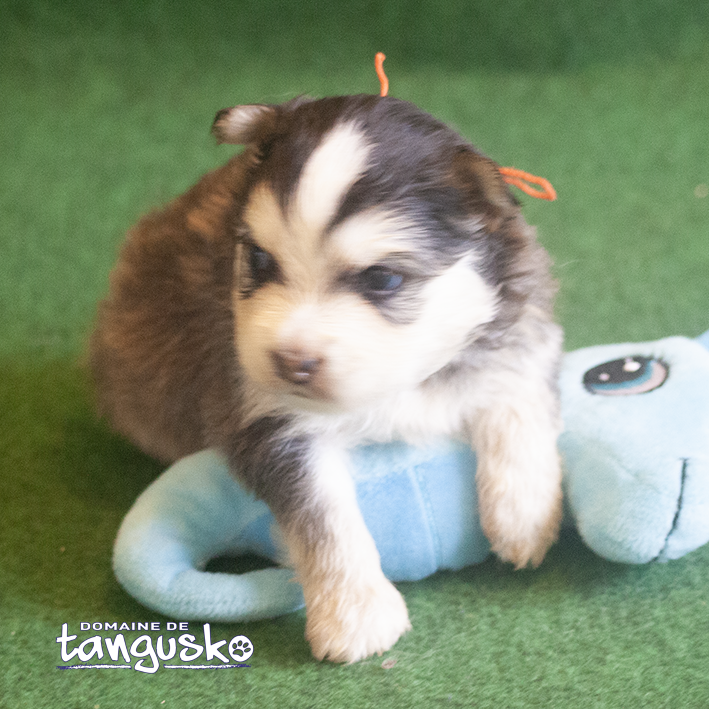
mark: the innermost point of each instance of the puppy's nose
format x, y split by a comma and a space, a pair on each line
295, 367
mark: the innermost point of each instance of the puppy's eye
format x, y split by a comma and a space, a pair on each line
380, 281
262, 266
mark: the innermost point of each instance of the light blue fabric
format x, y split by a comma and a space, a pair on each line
704, 339
636, 480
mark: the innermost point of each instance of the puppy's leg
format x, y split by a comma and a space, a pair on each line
519, 471
352, 610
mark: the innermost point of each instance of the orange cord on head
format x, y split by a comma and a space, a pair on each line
520, 179
383, 81
512, 176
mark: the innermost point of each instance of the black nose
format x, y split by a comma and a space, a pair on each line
295, 367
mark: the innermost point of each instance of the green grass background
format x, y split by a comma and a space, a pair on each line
105, 109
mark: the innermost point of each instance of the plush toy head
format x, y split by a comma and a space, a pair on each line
636, 447
636, 458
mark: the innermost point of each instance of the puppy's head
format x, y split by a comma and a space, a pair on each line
372, 247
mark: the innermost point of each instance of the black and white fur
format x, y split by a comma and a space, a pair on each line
359, 273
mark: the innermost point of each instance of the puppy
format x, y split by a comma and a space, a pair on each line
358, 273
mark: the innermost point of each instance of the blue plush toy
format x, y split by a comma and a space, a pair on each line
636, 473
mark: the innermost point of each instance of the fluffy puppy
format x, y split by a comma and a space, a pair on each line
358, 273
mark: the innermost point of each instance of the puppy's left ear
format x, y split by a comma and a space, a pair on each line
243, 125
484, 188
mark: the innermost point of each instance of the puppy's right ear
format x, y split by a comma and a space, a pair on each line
242, 125
485, 191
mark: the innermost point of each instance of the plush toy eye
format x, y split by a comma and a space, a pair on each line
627, 376
380, 281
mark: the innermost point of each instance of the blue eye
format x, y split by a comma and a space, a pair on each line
262, 266
380, 281
626, 377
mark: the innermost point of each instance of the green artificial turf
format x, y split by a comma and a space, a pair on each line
105, 113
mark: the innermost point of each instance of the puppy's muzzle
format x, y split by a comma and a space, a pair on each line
296, 367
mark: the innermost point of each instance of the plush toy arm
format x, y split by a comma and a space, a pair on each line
192, 514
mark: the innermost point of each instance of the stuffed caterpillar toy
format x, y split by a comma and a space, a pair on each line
636, 480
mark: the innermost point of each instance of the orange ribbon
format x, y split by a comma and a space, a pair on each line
512, 176
379, 65
521, 179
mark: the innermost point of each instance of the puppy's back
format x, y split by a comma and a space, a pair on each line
162, 348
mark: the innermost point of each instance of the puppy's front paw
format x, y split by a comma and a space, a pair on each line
521, 529
349, 622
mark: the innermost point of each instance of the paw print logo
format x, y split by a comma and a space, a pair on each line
240, 648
